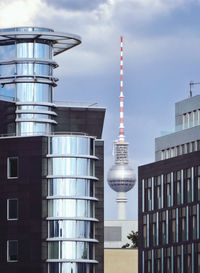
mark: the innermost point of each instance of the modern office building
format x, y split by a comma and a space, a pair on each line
169, 197
51, 158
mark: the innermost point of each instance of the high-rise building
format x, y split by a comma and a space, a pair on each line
169, 196
121, 177
51, 158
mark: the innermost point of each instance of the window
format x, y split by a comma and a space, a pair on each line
12, 251
12, 167
12, 209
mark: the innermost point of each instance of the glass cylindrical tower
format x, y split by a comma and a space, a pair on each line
71, 204
26, 73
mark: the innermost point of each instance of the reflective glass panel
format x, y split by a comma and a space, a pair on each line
63, 145
62, 208
82, 187
42, 69
25, 50
7, 52
82, 250
25, 69
81, 208
53, 250
42, 92
62, 187
7, 70
25, 92
82, 166
82, 229
83, 145
7, 92
64, 166
42, 51
64, 229
68, 250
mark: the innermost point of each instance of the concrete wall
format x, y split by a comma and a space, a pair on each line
116, 232
120, 260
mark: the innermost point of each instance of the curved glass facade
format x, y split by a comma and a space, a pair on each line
26, 73
71, 204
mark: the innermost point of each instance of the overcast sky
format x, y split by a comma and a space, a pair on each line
161, 57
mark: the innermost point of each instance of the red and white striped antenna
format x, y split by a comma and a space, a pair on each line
121, 126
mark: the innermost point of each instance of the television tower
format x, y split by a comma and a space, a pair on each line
121, 177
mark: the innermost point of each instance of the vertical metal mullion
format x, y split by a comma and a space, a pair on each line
152, 258
143, 197
167, 224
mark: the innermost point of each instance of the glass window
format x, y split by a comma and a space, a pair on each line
82, 166
25, 69
12, 209
63, 166
12, 251
82, 250
42, 69
82, 187
12, 167
81, 208
25, 50
68, 250
62, 187
42, 92
25, 92
82, 145
62, 208
42, 51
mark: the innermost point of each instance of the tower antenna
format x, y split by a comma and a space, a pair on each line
121, 126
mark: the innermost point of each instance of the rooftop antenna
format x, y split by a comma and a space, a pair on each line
191, 84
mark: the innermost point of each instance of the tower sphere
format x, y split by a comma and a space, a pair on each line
121, 178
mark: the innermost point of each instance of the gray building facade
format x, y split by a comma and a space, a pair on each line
169, 196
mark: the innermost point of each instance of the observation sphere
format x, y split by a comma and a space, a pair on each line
121, 178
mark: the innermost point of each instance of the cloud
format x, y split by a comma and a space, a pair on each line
76, 4
19, 12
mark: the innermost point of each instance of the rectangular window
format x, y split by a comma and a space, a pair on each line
12, 251
12, 209
12, 167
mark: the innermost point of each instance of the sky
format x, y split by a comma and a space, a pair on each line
161, 57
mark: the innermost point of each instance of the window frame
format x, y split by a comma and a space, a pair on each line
11, 261
8, 167
12, 219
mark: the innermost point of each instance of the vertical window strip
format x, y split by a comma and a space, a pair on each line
182, 260
192, 258
192, 186
157, 229
177, 225
143, 197
147, 230
167, 219
162, 268
172, 259
172, 187
162, 196
197, 221
152, 196
181, 186
152, 258
143, 262
187, 223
